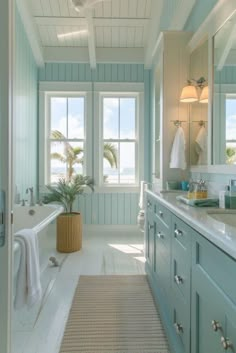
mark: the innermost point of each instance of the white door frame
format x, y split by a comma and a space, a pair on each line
7, 28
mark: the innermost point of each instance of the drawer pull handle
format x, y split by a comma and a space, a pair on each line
150, 226
160, 236
149, 204
160, 213
215, 325
178, 328
178, 279
225, 343
178, 232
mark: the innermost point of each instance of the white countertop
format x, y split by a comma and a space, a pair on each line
220, 234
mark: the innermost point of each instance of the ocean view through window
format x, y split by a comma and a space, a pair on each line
66, 147
119, 131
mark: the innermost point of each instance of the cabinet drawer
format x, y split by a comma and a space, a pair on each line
163, 214
181, 326
181, 233
220, 267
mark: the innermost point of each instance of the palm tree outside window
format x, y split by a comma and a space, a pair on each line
67, 139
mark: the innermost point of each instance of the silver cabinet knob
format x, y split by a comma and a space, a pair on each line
225, 343
160, 236
178, 279
150, 226
215, 325
149, 204
160, 213
178, 232
178, 328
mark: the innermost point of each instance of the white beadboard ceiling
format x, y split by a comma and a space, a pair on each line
116, 25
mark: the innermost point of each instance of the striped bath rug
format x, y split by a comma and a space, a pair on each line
113, 314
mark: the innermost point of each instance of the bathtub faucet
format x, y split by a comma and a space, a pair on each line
31, 200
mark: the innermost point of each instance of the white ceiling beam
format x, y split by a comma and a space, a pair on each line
225, 46
104, 55
31, 31
219, 14
181, 14
91, 40
77, 21
153, 31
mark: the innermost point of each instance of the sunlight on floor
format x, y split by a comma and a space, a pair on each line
140, 258
128, 248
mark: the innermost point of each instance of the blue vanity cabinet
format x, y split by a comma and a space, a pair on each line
161, 263
149, 230
181, 235
213, 322
193, 283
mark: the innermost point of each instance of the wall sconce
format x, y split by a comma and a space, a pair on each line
189, 93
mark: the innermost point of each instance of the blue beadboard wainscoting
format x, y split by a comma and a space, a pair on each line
110, 208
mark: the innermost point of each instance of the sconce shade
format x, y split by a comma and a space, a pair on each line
204, 95
189, 94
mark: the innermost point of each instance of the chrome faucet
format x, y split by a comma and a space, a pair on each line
31, 200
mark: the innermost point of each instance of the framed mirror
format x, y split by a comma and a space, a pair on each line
224, 95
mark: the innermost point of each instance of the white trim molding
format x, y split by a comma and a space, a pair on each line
153, 32
31, 31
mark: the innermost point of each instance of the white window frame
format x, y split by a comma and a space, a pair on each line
61, 89
118, 90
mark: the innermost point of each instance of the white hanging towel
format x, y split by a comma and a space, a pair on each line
141, 196
201, 146
28, 285
177, 156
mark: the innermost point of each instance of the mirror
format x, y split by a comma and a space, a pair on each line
224, 98
198, 112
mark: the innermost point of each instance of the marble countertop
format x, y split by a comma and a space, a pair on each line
220, 234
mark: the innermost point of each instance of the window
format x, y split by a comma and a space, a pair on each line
230, 133
85, 129
66, 136
119, 165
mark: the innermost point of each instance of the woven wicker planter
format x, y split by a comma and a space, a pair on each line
69, 232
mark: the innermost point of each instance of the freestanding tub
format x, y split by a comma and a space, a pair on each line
32, 217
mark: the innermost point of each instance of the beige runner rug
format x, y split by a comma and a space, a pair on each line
113, 314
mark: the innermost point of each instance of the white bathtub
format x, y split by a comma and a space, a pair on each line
35, 217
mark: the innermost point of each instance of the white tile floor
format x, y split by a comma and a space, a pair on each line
40, 329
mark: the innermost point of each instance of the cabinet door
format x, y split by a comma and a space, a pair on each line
208, 316
149, 238
228, 340
161, 264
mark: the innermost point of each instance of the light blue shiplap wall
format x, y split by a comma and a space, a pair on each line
107, 208
25, 125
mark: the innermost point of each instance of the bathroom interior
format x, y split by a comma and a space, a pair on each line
165, 72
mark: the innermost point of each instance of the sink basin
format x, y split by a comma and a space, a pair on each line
224, 216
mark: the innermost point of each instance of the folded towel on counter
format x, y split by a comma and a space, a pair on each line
28, 285
209, 202
177, 157
201, 146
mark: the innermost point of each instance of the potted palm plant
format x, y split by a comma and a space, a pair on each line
69, 223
